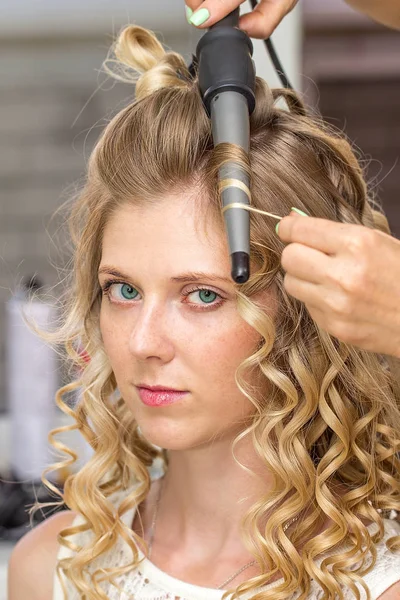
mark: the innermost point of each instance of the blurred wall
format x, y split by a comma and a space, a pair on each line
352, 75
50, 117
53, 105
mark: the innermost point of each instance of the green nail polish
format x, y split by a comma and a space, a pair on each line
189, 13
276, 228
299, 212
199, 17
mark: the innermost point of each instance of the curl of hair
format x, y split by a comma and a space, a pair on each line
332, 416
140, 58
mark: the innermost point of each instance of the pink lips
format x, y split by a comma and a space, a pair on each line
159, 397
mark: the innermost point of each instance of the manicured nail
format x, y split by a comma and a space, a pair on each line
189, 13
299, 212
276, 228
199, 17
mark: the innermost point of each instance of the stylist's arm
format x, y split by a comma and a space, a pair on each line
348, 276
261, 22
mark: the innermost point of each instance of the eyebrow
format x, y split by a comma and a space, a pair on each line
183, 278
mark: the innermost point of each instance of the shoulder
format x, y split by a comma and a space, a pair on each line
33, 560
393, 593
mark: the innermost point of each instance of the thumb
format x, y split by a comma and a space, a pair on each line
265, 18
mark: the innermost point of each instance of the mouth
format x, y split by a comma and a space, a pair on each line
158, 388
159, 397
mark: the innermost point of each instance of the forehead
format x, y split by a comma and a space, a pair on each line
169, 235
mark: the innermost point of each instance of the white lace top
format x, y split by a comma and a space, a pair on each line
147, 582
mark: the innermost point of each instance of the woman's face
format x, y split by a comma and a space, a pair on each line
167, 333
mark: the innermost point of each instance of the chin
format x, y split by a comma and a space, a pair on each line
172, 436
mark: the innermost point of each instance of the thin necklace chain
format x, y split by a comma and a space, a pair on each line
253, 562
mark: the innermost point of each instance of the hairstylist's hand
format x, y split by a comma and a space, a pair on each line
348, 276
259, 23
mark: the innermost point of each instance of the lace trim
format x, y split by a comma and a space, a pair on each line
139, 587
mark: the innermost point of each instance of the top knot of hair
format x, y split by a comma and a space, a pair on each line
138, 57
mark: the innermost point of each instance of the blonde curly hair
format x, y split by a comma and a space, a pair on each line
332, 416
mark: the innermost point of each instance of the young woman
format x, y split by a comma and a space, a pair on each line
279, 445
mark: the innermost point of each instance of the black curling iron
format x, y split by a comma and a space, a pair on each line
227, 78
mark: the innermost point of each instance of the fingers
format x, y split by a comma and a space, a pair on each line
259, 23
209, 12
307, 264
263, 20
324, 235
193, 4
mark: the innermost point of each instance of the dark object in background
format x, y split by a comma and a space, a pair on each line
16, 498
32, 282
367, 108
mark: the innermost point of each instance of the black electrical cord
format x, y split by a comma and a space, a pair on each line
275, 58
277, 64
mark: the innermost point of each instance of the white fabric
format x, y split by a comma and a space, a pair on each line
147, 582
32, 381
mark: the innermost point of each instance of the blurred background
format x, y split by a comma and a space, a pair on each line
54, 102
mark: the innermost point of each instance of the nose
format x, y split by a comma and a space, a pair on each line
150, 334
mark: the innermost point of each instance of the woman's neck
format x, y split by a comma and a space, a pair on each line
204, 496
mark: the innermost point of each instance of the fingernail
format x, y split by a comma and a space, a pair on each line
299, 212
199, 17
276, 228
189, 13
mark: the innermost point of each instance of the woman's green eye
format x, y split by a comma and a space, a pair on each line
128, 292
204, 295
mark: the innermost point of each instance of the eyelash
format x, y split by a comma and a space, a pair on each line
107, 285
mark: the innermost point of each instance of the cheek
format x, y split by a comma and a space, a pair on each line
112, 336
219, 354
105, 328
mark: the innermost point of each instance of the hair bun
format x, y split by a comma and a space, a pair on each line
141, 58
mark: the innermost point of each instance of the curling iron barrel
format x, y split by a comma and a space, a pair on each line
227, 85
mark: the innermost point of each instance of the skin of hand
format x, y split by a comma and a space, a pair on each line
259, 23
348, 276
386, 12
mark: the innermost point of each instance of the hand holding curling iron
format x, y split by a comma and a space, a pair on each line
348, 276
259, 23
266, 16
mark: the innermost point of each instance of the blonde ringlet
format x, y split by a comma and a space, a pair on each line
332, 413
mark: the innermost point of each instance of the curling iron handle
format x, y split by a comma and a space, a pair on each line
231, 20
